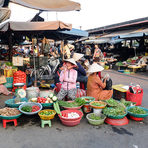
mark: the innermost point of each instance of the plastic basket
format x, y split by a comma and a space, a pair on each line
11, 102
30, 104
46, 104
88, 99
137, 115
65, 113
9, 83
98, 107
118, 116
47, 117
10, 117
95, 122
137, 98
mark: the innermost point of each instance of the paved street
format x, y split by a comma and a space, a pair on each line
29, 134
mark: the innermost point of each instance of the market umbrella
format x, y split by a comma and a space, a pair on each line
49, 5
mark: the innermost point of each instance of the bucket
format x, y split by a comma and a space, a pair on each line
137, 98
32, 92
87, 108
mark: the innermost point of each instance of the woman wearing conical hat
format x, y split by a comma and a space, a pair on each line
95, 87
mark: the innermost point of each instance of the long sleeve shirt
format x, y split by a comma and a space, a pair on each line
81, 71
68, 79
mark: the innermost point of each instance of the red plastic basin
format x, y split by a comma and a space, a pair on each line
65, 114
117, 122
136, 119
70, 123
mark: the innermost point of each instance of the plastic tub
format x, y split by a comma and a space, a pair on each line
11, 102
47, 117
30, 104
95, 122
72, 108
137, 115
88, 99
70, 123
65, 113
98, 107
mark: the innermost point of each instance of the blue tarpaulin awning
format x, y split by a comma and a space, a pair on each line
74, 33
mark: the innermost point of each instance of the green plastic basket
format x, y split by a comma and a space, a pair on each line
11, 102
137, 115
46, 104
90, 99
9, 83
96, 122
10, 117
116, 117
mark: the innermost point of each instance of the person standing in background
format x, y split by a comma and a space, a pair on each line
98, 55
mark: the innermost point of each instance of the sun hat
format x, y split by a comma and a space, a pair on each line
77, 56
71, 60
95, 68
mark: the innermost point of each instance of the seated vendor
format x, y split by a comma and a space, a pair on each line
3, 89
68, 78
81, 71
95, 87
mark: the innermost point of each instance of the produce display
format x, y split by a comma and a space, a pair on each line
112, 102
97, 104
47, 113
127, 103
95, 117
71, 115
42, 100
137, 110
9, 111
76, 103
30, 108
116, 111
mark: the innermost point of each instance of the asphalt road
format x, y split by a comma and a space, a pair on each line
29, 134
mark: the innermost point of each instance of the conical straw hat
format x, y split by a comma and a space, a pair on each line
95, 68
71, 60
77, 56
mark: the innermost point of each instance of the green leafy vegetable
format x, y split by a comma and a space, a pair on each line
97, 104
95, 117
78, 102
26, 108
112, 102
137, 110
110, 111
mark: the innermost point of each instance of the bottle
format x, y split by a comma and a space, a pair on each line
78, 85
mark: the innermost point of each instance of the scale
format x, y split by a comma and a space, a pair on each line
19, 92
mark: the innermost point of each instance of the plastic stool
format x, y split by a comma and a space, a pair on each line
43, 122
12, 120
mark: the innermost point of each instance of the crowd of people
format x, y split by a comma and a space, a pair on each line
77, 67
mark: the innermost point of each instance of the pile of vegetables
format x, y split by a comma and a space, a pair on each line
137, 110
71, 115
127, 103
9, 111
47, 113
49, 99
112, 102
78, 102
30, 108
95, 117
98, 104
114, 111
